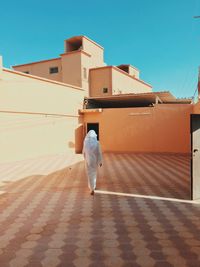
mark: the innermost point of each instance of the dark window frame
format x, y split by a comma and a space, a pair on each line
105, 90
53, 70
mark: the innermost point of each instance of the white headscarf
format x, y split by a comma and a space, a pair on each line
91, 134
90, 142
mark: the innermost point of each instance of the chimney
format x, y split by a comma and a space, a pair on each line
1, 67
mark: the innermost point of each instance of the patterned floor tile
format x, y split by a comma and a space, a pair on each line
48, 218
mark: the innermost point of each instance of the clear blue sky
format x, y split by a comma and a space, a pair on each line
159, 37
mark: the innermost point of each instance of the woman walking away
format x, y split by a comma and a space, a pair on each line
93, 157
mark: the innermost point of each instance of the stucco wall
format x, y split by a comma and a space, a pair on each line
123, 83
41, 69
99, 79
134, 72
116, 80
96, 52
71, 68
164, 128
25, 136
87, 62
36, 117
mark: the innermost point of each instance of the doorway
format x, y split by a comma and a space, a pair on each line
195, 156
95, 127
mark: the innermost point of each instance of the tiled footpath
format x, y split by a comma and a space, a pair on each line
48, 218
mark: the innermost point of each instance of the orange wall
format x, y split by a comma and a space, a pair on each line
71, 68
37, 117
87, 62
73, 65
99, 79
41, 69
164, 128
117, 81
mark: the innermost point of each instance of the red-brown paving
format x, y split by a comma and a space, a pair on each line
48, 218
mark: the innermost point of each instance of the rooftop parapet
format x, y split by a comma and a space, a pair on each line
80, 43
130, 70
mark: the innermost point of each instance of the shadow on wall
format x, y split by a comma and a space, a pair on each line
71, 144
79, 136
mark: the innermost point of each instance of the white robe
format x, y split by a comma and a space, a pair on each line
93, 157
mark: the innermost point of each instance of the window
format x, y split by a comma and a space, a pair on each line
27, 72
53, 70
105, 90
85, 73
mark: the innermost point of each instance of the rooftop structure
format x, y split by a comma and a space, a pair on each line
82, 64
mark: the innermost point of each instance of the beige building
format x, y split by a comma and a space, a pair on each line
82, 64
37, 116
47, 107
